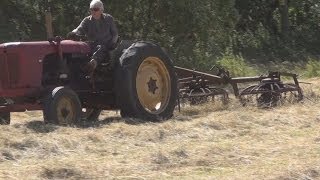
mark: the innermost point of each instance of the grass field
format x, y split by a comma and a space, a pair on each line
201, 142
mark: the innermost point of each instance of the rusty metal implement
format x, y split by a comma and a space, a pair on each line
268, 90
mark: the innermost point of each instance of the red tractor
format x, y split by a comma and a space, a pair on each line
139, 80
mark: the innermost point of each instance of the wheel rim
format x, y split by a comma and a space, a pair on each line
66, 111
153, 85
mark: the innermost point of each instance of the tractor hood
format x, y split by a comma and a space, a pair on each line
1, 47
46, 47
21, 62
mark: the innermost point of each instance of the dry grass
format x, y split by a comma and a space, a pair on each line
203, 142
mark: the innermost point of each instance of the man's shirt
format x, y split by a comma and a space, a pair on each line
102, 31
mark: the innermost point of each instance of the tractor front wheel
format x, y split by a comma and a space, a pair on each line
62, 107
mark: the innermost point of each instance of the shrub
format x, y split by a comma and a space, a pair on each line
236, 65
312, 68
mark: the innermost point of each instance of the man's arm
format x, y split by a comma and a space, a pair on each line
114, 32
82, 29
111, 42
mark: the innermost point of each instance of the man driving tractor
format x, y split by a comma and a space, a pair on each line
100, 30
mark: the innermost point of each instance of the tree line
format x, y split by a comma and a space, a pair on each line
195, 33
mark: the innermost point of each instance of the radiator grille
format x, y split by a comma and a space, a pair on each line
9, 70
13, 66
3, 71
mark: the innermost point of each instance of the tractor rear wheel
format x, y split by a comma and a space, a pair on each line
5, 118
146, 83
62, 107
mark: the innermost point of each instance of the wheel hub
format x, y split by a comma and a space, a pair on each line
152, 84
66, 111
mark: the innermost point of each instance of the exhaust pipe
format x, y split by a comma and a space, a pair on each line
48, 18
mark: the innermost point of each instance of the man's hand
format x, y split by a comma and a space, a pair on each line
72, 35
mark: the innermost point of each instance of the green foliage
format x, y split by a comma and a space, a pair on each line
312, 68
195, 33
236, 65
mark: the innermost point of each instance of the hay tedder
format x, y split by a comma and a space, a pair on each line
265, 91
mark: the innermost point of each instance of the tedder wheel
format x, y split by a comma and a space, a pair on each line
5, 118
62, 107
264, 95
146, 83
270, 98
90, 114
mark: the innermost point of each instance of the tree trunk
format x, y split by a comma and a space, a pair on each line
284, 12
